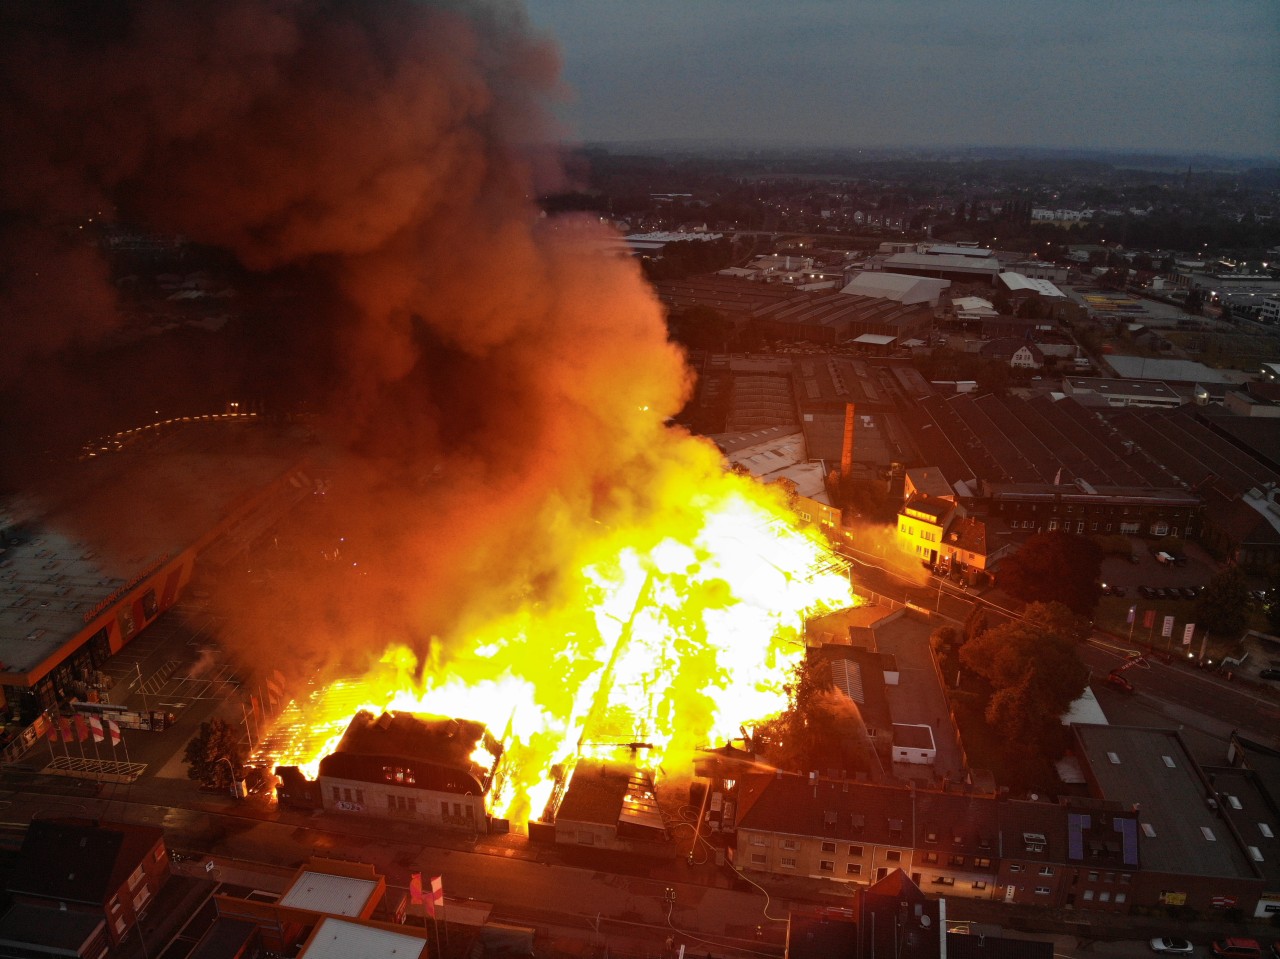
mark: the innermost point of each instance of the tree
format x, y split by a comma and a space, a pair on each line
1223, 607
1034, 673
1058, 620
213, 753
1055, 567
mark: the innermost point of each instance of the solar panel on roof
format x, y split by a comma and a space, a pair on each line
1128, 830
1077, 823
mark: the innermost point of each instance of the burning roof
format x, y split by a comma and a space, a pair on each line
429, 752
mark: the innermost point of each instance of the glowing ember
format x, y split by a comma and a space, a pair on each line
670, 634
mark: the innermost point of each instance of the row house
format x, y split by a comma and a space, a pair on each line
790, 825
1089, 853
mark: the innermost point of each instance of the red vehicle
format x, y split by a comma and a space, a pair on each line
1119, 682
1236, 948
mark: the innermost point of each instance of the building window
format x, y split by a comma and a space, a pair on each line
828, 847
1160, 528
759, 858
1126, 877
1042, 890
758, 841
982, 862
855, 851
1104, 896
1087, 895
790, 844
1093, 877
826, 865
1120, 897
1053, 524
957, 860
444, 808
346, 795
979, 885
893, 856
853, 869
1111, 877
1046, 870
788, 863
931, 857
1015, 868
337, 794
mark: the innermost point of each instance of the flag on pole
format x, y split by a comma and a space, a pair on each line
64, 724
275, 688
115, 732
1148, 619
82, 728
95, 727
436, 902
53, 730
257, 708
415, 888
1133, 611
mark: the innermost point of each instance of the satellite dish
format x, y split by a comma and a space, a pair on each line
926, 921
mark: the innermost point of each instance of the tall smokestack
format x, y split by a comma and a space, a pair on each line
846, 449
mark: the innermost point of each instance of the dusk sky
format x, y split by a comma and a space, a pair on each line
1170, 76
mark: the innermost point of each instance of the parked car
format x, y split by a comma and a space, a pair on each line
1161, 592
1147, 592
1237, 948
1117, 591
1177, 946
1188, 592
1119, 682
1270, 673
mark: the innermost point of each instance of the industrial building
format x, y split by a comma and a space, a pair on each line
92, 561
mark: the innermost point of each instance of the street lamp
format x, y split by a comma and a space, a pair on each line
238, 788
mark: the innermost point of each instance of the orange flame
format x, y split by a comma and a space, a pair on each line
674, 630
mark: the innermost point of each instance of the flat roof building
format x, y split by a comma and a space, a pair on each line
103, 552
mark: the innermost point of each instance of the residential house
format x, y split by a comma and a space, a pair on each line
1019, 354
921, 523
90, 872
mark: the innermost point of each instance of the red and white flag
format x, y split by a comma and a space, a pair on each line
115, 732
64, 724
82, 728
415, 888
436, 901
275, 688
95, 728
53, 730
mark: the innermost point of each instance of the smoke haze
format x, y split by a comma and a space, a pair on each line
491, 374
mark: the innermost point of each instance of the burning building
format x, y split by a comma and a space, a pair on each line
612, 806
401, 765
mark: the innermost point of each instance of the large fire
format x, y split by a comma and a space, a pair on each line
671, 633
